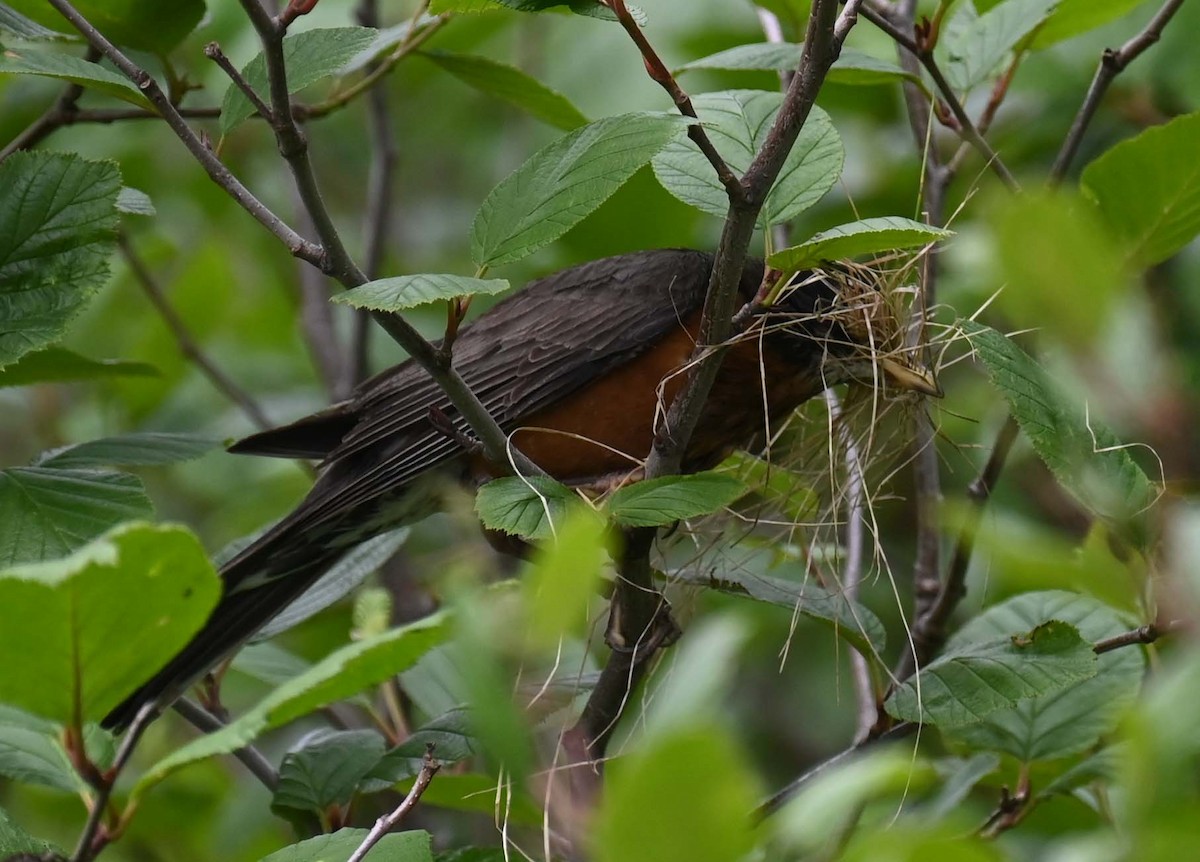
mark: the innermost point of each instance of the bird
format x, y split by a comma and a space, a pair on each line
578, 368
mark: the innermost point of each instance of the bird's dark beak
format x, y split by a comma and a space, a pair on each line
910, 378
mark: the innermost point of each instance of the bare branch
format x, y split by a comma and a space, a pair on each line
59, 114
253, 759
388, 822
1146, 634
1112, 63
213, 52
188, 345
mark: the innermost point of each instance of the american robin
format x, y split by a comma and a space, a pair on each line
579, 368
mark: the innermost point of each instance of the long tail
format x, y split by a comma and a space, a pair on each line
260, 582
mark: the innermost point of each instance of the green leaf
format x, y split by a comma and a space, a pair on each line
657, 502
1084, 455
106, 617
959, 778
852, 621
409, 291
738, 122
31, 752
67, 67
851, 67
46, 513
269, 663
564, 182
133, 202
563, 580
1074, 718
359, 563
309, 56
972, 47
1059, 262
452, 737
386, 39
145, 25
1078, 16
698, 788
13, 23
345, 672
15, 841
325, 767
58, 220
144, 449
868, 236
975, 680
587, 8
413, 846
55, 365
512, 85
1148, 189
531, 507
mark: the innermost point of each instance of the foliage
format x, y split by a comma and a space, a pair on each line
148, 312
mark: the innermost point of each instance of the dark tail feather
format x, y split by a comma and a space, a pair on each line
236, 618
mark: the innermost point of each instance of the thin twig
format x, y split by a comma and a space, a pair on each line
188, 346
253, 759
95, 835
1112, 63
929, 630
56, 116
213, 52
662, 76
864, 689
388, 822
1146, 634
966, 128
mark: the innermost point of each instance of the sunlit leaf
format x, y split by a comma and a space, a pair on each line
972, 47
512, 85
868, 236
851, 66
409, 291
531, 507
1078, 16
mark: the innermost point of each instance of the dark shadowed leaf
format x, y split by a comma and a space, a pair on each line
325, 767
451, 736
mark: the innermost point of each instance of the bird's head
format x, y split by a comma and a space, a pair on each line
856, 327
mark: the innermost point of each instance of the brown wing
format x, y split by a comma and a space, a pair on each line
551, 339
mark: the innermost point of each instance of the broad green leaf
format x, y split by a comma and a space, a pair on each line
345, 672
106, 617
47, 513
359, 563
58, 220
850, 620
13, 23
1074, 718
563, 580
310, 56
789, 491
564, 182
55, 365
977, 679
1059, 263
909, 841
68, 67
698, 788
1083, 454
657, 502
587, 8
1103, 765
133, 202
325, 767
530, 507
1148, 189
413, 846
738, 122
868, 236
31, 752
512, 85
409, 291
451, 736
146, 25
144, 449
851, 66
386, 39
1073, 17
269, 663
971, 48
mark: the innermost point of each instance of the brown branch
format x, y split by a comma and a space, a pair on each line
1146, 634
56, 116
96, 835
662, 76
213, 52
188, 346
249, 756
1112, 63
388, 822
